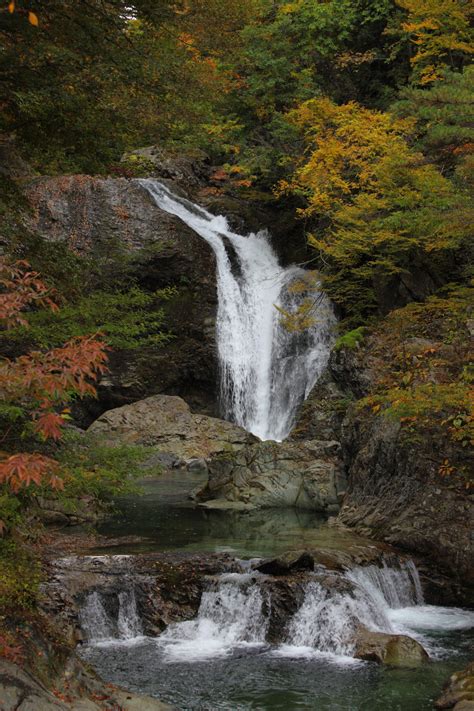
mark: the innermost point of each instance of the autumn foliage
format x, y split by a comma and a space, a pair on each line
36, 386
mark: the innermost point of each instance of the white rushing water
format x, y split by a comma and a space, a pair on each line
101, 626
266, 370
235, 611
229, 616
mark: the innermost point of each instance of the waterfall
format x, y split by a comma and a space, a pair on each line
328, 621
94, 620
390, 587
100, 625
128, 621
237, 609
229, 617
266, 369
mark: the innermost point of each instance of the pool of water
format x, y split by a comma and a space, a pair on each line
262, 679
168, 520
259, 677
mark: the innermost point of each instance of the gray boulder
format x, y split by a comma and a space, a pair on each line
166, 422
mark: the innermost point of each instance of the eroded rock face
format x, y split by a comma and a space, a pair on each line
395, 492
167, 586
166, 422
306, 475
459, 691
20, 691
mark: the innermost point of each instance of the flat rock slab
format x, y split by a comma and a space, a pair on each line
19, 691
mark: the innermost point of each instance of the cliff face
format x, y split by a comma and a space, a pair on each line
397, 490
111, 220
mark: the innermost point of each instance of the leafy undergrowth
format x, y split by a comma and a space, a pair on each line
423, 356
27, 637
89, 471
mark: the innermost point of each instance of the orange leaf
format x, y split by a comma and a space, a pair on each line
11, 7
33, 19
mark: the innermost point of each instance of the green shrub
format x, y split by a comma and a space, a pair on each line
351, 339
130, 319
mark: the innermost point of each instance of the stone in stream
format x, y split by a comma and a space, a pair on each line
458, 693
391, 649
286, 563
306, 475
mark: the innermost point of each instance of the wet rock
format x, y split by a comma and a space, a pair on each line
163, 460
458, 693
167, 422
392, 649
322, 412
167, 586
197, 465
396, 494
353, 554
188, 170
55, 511
284, 564
21, 691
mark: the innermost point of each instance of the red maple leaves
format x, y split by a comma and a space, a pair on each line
40, 383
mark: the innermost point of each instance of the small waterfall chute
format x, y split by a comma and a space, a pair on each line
230, 616
266, 369
392, 587
128, 621
94, 619
100, 625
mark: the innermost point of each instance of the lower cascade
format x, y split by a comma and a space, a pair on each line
236, 611
267, 370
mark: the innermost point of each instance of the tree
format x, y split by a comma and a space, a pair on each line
442, 34
377, 207
93, 79
444, 114
36, 386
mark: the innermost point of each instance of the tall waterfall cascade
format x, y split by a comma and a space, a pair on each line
266, 369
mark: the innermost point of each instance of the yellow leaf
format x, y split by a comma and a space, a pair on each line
11, 7
33, 19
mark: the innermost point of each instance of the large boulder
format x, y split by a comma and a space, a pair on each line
167, 423
392, 649
306, 475
458, 693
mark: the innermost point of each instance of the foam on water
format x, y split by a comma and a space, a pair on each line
229, 617
235, 611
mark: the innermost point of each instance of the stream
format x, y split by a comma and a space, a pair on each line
222, 660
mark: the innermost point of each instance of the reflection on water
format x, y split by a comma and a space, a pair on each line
170, 521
